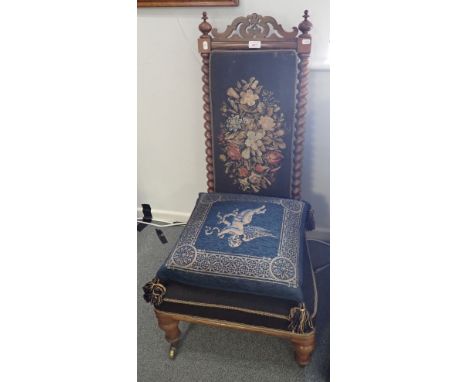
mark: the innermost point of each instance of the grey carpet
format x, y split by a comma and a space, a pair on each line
209, 354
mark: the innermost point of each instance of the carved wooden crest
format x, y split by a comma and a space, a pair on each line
255, 27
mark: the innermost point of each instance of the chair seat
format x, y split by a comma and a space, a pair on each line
241, 243
236, 307
226, 306
241, 258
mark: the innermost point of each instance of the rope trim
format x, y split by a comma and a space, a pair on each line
314, 313
154, 292
227, 307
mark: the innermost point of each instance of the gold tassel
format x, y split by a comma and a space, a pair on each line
300, 320
154, 292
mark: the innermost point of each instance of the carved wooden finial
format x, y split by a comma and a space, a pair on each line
205, 26
305, 26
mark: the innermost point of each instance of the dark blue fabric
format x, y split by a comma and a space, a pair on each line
253, 92
242, 243
320, 256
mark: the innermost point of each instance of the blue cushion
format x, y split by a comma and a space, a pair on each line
244, 243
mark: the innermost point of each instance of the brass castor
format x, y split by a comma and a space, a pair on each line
172, 352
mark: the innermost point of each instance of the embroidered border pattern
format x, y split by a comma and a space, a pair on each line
280, 269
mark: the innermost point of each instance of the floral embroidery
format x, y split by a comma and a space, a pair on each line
252, 135
238, 229
248, 97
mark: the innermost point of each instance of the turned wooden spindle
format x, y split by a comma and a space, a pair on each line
304, 45
204, 46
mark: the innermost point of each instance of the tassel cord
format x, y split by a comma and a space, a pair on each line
154, 292
301, 321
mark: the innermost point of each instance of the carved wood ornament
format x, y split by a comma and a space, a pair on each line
270, 35
254, 27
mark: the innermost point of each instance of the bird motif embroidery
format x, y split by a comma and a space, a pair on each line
238, 227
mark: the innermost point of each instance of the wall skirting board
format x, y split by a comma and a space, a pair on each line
183, 217
166, 216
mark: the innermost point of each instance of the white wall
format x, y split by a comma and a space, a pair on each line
171, 158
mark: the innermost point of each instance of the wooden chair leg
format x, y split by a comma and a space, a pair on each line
303, 349
171, 330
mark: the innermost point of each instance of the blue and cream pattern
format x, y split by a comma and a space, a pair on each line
237, 226
241, 242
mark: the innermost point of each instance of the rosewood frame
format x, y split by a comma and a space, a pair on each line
251, 28
304, 344
271, 35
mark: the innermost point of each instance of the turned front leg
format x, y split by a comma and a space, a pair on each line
303, 348
169, 326
171, 330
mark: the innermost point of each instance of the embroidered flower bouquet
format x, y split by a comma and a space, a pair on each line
251, 135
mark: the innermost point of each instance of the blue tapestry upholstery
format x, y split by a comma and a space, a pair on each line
239, 307
242, 243
253, 96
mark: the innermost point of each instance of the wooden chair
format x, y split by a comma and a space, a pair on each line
244, 39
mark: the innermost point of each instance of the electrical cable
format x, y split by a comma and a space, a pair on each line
320, 241
161, 225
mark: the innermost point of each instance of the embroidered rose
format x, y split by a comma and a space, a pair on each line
274, 157
233, 152
259, 168
243, 172
248, 98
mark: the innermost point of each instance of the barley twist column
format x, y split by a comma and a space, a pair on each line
304, 44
